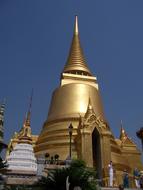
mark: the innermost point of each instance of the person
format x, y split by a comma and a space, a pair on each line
110, 169
141, 180
136, 175
67, 183
125, 179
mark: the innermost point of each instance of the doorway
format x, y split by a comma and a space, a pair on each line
96, 151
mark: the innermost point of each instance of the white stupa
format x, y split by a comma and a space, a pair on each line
22, 161
22, 157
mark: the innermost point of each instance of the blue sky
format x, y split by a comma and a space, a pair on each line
35, 37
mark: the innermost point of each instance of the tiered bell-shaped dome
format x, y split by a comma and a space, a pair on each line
22, 158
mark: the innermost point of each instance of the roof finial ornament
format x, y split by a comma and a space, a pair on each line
28, 115
123, 134
30, 104
121, 124
76, 25
90, 109
25, 132
2, 105
2, 110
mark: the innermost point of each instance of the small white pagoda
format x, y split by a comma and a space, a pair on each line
22, 159
22, 164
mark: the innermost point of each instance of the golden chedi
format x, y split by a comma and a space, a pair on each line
77, 100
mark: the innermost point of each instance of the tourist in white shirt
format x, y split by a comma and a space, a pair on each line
110, 170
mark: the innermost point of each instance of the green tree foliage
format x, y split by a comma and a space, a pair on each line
79, 175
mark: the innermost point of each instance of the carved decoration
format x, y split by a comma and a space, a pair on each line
91, 122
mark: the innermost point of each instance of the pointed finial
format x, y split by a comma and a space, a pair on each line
123, 134
4, 101
76, 25
28, 115
2, 105
76, 63
30, 104
121, 123
90, 109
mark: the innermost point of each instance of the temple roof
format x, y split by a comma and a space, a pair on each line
124, 137
76, 62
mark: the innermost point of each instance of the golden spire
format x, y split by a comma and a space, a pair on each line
28, 115
25, 134
123, 134
27, 119
76, 62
